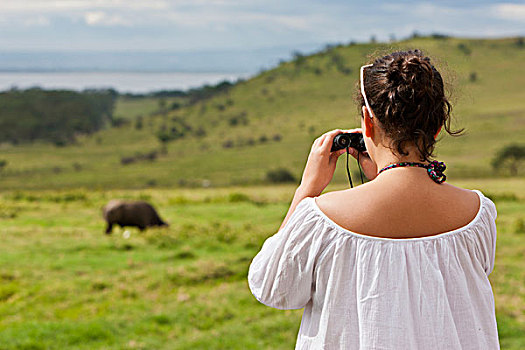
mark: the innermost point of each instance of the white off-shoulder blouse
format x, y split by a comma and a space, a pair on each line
365, 292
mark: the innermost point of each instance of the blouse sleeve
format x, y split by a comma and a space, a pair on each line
492, 237
281, 274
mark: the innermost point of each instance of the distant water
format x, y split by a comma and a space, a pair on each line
135, 82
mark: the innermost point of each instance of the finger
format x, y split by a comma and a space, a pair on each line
316, 142
323, 137
329, 138
353, 131
338, 153
352, 151
335, 156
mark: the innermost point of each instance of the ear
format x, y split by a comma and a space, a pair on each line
369, 123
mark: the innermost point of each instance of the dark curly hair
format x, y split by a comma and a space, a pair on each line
407, 96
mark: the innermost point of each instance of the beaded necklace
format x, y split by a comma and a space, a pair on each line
435, 169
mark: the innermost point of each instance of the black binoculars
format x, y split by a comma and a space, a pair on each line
354, 140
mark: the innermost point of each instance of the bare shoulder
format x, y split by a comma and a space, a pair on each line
335, 198
401, 211
466, 200
345, 205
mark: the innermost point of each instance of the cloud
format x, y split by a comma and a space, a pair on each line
515, 12
37, 21
224, 19
102, 18
61, 6
209, 24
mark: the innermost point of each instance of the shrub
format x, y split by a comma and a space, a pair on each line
165, 136
519, 226
236, 197
238, 119
280, 175
227, 144
298, 58
77, 166
269, 79
117, 122
127, 160
510, 156
139, 123
60, 142
199, 132
150, 156
345, 70
464, 48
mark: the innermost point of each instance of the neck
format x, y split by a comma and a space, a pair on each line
385, 157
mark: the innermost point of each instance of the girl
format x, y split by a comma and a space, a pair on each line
401, 262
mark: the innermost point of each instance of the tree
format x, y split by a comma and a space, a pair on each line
298, 58
510, 156
57, 116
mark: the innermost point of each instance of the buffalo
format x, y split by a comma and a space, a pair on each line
130, 213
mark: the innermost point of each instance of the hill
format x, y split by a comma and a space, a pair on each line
269, 121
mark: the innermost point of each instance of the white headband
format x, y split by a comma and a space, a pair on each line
362, 83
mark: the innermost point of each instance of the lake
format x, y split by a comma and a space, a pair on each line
135, 82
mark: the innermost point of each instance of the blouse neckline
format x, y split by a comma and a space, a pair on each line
425, 238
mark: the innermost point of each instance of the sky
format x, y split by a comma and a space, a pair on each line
187, 26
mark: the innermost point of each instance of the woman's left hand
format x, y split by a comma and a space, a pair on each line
321, 164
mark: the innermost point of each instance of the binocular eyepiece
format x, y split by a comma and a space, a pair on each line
354, 140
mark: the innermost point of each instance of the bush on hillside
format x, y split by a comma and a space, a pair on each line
227, 144
139, 123
280, 175
175, 106
298, 59
118, 122
165, 136
511, 157
464, 48
199, 132
149, 156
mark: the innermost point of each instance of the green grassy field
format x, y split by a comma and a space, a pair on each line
65, 285
231, 141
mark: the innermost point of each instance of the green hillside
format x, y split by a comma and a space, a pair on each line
269, 121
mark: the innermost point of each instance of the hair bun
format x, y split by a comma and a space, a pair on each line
413, 70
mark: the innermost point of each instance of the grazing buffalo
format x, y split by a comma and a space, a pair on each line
130, 213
